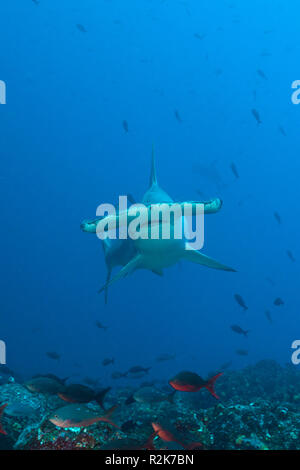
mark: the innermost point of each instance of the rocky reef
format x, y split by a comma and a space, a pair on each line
259, 409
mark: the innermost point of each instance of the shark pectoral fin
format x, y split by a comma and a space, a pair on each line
159, 272
127, 269
210, 207
196, 257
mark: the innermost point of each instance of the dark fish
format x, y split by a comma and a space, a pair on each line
108, 361
53, 355
53, 377
226, 365
234, 170
239, 299
100, 325
191, 382
256, 115
165, 357
36, 2
278, 302
125, 126
2, 408
277, 217
268, 316
199, 36
239, 330
44, 385
290, 255
177, 116
262, 74
282, 130
270, 281
137, 369
218, 72
118, 375
77, 393
242, 352
81, 28
149, 395
78, 416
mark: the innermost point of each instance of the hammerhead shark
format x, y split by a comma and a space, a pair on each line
151, 254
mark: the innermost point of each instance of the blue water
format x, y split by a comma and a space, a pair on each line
64, 151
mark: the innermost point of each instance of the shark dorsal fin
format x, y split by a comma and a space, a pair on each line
153, 179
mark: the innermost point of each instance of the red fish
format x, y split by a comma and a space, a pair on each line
167, 436
191, 382
2, 408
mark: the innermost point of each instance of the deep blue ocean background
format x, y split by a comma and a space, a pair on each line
64, 151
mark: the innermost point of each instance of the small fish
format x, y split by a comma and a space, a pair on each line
237, 329
2, 408
177, 116
78, 416
290, 255
36, 2
108, 361
256, 115
149, 395
136, 372
118, 375
234, 170
100, 326
239, 299
165, 357
125, 126
225, 366
53, 355
199, 36
268, 316
81, 28
242, 352
262, 74
270, 281
277, 217
218, 72
282, 130
191, 382
278, 302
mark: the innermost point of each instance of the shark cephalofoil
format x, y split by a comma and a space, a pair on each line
151, 254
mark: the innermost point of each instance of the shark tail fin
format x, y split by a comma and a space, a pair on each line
196, 257
153, 179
